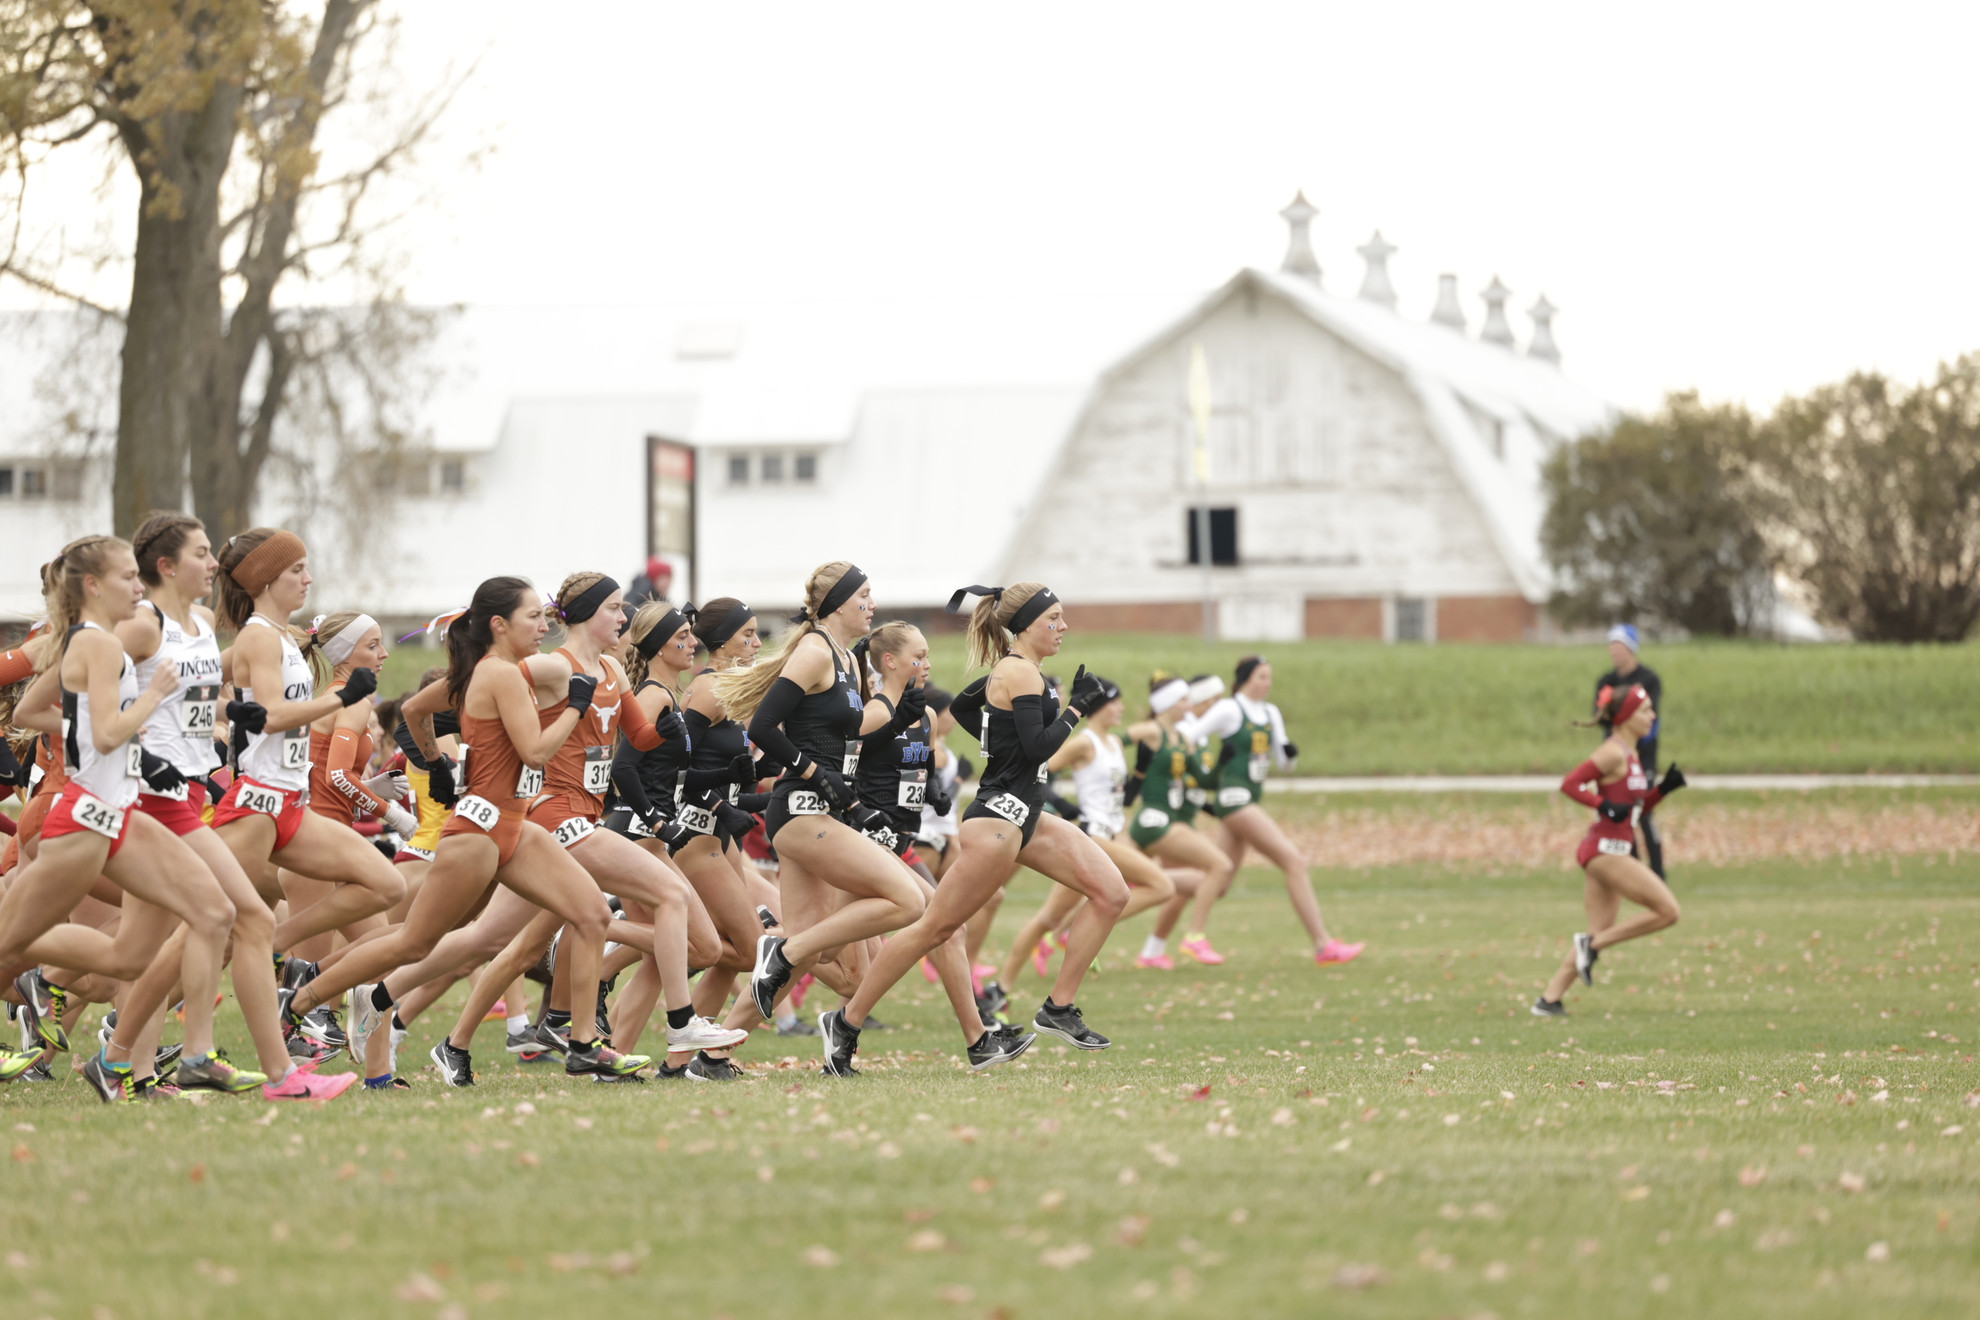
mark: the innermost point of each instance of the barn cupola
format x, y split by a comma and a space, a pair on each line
1542, 344
1497, 329
1448, 311
1300, 260
1375, 286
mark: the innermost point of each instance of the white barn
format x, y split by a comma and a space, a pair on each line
1369, 475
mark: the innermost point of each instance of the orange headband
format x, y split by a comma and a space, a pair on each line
267, 561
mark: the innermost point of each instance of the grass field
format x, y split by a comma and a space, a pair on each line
1767, 1111
1366, 709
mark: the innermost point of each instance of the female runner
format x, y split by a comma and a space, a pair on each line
1013, 630
1099, 771
804, 706
1620, 791
488, 840
93, 828
1161, 827
1254, 734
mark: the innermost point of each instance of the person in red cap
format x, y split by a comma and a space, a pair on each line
1614, 783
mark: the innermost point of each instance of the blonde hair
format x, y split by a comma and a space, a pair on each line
644, 620
742, 689
62, 587
312, 643
888, 639
989, 623
574, 586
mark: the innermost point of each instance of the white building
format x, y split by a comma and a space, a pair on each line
1368, 475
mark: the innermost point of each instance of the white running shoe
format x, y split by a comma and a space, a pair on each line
704, 1034
365, 1019
1585, 954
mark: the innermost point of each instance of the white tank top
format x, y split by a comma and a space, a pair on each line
109, 776
281, 760
181, 729
1099, 785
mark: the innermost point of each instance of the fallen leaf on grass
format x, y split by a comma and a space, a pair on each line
823, 1258
1354, 1278
23, 1155
1497, 1272
1877, 1253
1752, 1176
1064, 1258
957, 1294
198, 1173
1724, 1219
529, 1159
345, 1171
1132, 1231
1773, 1239
1375, 1179
981, 1185
1051, 1200
965, 1134
421, 1288
1202, 1092
1636, 1193
1851, 1182
928, 1239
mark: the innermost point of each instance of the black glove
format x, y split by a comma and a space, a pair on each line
670, 726
220, 750
653, 818
965, 769
251, 716
1616, 812
1673, 780
938, 802
734, 819
1291, 750
1226, 756
867, 819
1088, 693
1144, 757
10, 765
833, 786
159, 774
583, 686
361, 684
440, 785
910, 708
675, 835
742, 770
754, 803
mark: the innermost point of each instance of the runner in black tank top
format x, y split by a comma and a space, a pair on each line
895, 766
723, 765
1013, 629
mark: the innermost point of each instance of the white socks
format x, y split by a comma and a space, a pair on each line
519, 1023
786, 1020
1154, 947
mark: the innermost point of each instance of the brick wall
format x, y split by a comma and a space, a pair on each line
1148, 616
1482, 619
1358, 617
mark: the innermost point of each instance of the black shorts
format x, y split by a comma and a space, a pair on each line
895, 837
623, 821
1019, 809
794, 799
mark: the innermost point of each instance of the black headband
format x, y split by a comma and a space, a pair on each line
588, 601
1244, 668
675, 619
1027, 613
717, 637
841, 592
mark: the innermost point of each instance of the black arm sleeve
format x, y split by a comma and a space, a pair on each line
625, 778
967, 705
700, 781
1036, 738
766, 728
444, 723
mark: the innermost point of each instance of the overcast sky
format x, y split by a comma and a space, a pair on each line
1746, 199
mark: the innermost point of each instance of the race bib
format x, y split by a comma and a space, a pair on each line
198, 706
1198, 796
637, 827
575, 830
913, 790
1233, 797
597, 770
253, 797
1257, 767
1011, 807
98, 816
478, 811
295, 748
1043, 770
1152, 818
804, 802
849, 763
530, 782
1614, 847
133, 760
1175, 796
886, 838
699, 819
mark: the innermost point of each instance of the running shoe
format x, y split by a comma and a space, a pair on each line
1333, 951
1041, 957
683, 1073
600, 1017
702, 1034
39, 1072
366, 1019
212, 1072
304, 1050
300, 1085
112, 1087
1199, 948
797, 1026
104, 1034
1161, 962
154, 1088
1585, 954
766, 916
556, 1040
1067, 1024
285, 1013
15, 1063
456, 1068
875, 1024
596, 1059
1545, 1007
705, 1067
524, 1042
497, 1012
42, 1006
998, 1046
841, 1043
389, 1082
298, 972
166, 1060
993, 999
320, 1024
771, 974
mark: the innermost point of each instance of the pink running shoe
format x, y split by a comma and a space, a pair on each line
928, 970
300, 1085
802, 988
1200, 950
1333, 951
1161, 962
1041, 957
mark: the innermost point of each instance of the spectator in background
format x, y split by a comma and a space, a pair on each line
1625, 646
652, 584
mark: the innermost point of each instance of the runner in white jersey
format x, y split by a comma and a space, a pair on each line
1098, 783
181, 729
938, 828
93, 586
281, 759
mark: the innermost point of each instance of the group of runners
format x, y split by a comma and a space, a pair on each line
656, 816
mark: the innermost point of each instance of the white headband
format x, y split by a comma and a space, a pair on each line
1205, 688
1166, 696
338, 649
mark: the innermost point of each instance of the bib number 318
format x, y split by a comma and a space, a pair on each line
478, 811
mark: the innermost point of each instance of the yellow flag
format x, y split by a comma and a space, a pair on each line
1199, 408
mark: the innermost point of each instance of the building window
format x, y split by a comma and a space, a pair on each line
453, 476
804, 468
738, 471
34, 483
1412, 619
1223, 536
773, 469
6, 483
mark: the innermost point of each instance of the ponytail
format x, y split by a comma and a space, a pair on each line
471, 634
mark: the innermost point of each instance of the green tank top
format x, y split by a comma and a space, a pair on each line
1165, 783
1251, 755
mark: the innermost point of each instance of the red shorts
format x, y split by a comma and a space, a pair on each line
181, 817
245, 798
1598, 842
567, 817
408, 853
99, 819
507, 832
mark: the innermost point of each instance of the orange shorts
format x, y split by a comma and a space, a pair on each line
506, 831
28, 827
246, 798
566, 817
77, 812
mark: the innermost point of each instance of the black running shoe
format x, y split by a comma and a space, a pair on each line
798, 1027
683, 1073
112, 1087
705, 1067
285, 1012
597, 1059
841, 1041
39, 1073
320, 1024
604, 1023
995, 1047
556, 1040
42, 1005
766, 916
1545, 1007
456, 1069
993, 1000
297, 973
1585, 954
167, 1059
1068, 1026
772, 973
